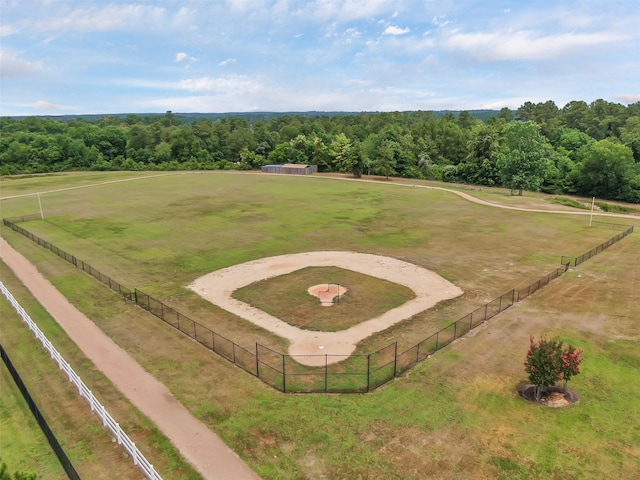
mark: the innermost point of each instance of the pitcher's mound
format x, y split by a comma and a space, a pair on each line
327, 293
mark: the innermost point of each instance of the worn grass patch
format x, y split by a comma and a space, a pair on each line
286, 297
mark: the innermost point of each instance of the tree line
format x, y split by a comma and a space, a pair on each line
584, 149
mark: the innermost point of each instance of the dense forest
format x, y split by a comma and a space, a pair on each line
584, 149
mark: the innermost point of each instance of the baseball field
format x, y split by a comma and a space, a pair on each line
456, 415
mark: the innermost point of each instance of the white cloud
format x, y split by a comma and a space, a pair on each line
226, 62
509, 102
224, 84
627, 97
439, 21
44, 105
393, 30
349, 10
6, 30
108, 18
183, 18
180, 57
11, 66
526, 45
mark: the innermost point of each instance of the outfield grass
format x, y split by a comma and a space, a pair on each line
456, 415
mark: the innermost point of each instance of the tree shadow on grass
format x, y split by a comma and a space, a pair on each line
554, 396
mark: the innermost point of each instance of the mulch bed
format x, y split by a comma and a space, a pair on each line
551, 397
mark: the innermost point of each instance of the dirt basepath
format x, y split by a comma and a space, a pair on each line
199, 445
316, 348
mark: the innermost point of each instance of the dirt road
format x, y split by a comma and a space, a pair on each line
199, 445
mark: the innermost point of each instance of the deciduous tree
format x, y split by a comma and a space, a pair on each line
522, 160
548, 362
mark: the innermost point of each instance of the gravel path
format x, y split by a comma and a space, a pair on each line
196, 442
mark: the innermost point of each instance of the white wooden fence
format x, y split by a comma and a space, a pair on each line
96, 406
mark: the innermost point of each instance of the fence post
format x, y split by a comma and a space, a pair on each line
326, 373
395, 361
257, 362
284, 374
368, 373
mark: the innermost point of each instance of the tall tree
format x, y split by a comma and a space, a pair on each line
386, 161
630, 135
522, 160
346, 155
607, 170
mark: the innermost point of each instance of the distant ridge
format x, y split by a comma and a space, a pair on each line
251, 117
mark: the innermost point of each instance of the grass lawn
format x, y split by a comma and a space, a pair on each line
90, 446
22, 443
456, 415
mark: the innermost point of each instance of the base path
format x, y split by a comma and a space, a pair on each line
200, 446
320, 348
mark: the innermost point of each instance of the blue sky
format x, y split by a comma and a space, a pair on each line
90, 56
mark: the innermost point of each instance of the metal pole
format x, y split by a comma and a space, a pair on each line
40, 204
326, 373
284, 375
257, 362
593, 202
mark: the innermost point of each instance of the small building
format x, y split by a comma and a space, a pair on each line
291, 169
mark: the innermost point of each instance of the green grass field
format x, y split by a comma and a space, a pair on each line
456, 415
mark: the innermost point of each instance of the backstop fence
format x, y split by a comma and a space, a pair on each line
359, 373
